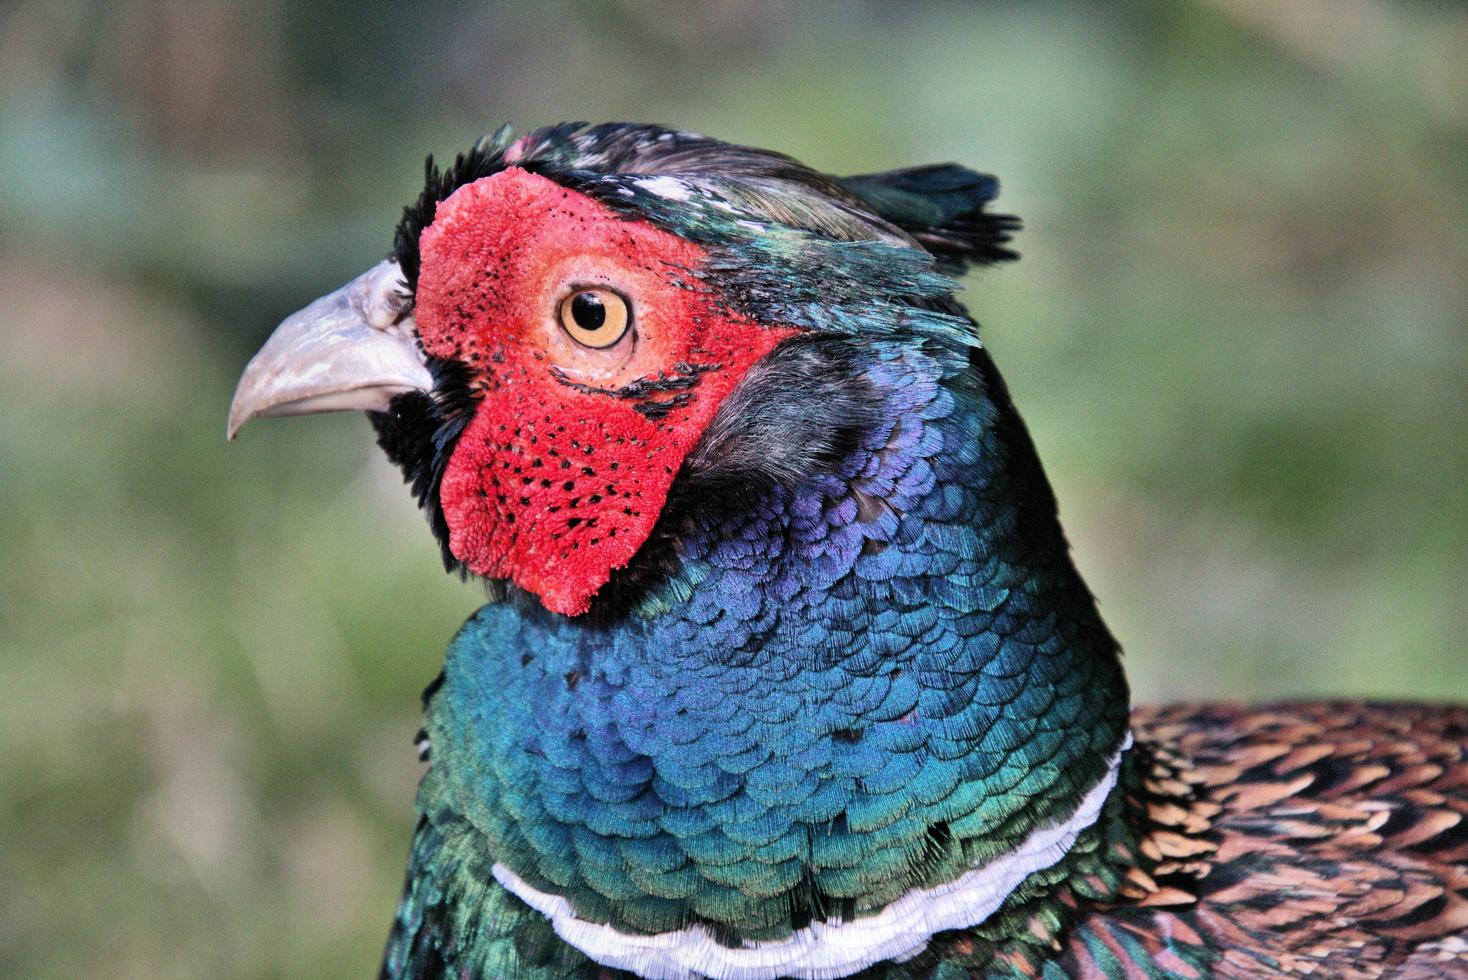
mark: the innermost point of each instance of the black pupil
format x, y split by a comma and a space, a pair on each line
587, 310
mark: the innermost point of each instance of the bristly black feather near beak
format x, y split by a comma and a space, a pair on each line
418, 433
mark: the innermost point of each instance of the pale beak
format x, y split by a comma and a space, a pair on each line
351, 350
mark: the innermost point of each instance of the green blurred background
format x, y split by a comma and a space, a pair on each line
1239, 332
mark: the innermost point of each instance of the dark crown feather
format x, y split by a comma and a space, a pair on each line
940, 208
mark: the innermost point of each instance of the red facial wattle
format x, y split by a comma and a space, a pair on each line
562, 473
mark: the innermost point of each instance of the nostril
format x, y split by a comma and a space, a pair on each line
382, 297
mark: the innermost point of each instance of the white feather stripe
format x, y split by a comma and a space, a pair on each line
832, 949
669, 187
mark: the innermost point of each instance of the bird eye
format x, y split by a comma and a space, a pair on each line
595, 317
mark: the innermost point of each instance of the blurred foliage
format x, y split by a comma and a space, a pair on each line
1240, 334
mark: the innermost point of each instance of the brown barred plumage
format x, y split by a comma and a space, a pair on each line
1325, 839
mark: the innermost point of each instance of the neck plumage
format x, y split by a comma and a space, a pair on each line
859, 713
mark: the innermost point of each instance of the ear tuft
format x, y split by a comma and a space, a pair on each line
799, 411
485, 158
942, 206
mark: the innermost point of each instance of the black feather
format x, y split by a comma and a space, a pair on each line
484, 159
942, 206
797, 412
419, 431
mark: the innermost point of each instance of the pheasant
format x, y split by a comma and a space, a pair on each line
785, 669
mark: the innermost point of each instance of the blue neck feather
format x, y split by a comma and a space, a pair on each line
869, 683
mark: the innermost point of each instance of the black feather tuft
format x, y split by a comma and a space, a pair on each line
797, 413
942, 206
419, 431
487, 157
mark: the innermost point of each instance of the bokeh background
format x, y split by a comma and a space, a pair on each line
1239, 332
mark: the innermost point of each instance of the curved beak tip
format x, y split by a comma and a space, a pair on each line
349, 350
